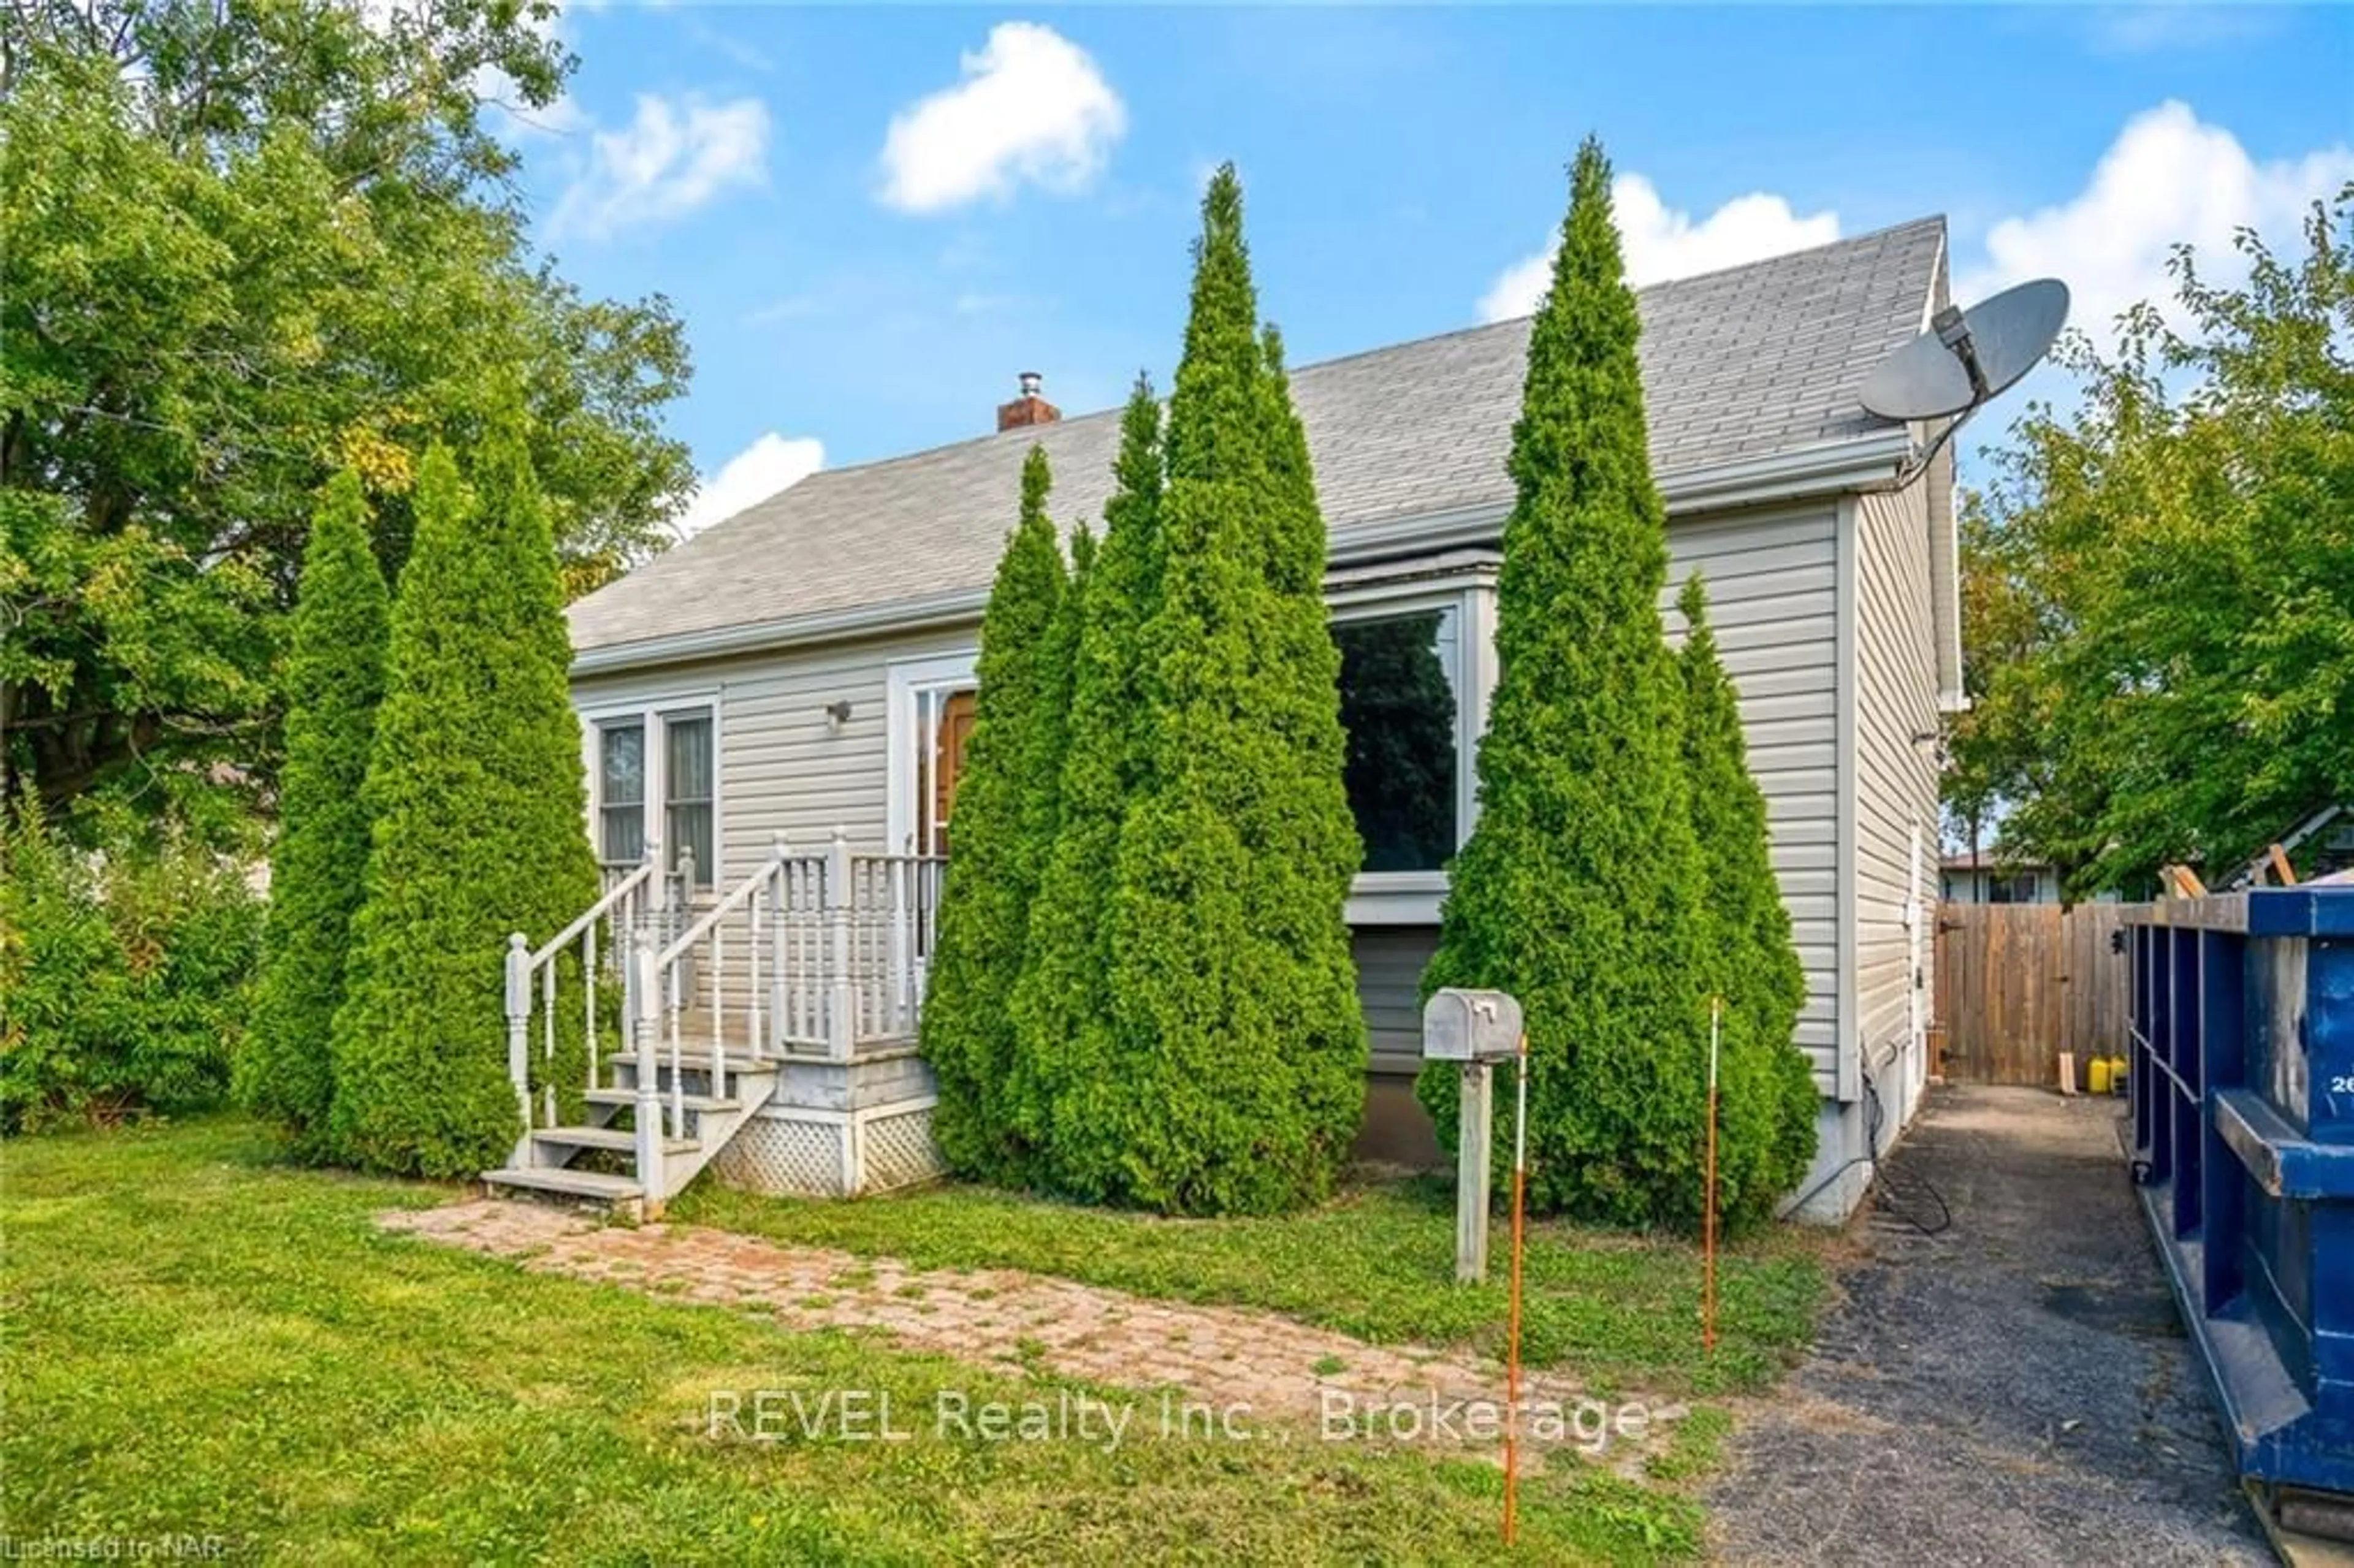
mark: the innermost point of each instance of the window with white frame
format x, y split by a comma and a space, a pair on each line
621, 790
690, 792
654, 771
1414, 675
1416, 668
1401, 709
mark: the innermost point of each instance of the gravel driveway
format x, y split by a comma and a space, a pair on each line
2016, 1389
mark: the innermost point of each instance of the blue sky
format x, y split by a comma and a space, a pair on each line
872, 218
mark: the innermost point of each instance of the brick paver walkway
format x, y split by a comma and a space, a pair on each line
1265, 1368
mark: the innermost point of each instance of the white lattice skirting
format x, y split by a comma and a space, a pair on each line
793, 1151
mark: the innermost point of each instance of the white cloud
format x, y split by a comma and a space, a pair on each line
2169, 178
792, 307
2175, 25
1662, 243
667, 161
1032, 108
770, 464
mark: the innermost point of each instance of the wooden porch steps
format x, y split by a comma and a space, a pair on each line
546, 1167
563, 1181
698, 1104
619, 1140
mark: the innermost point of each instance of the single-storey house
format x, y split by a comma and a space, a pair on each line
805, 668
1980, 878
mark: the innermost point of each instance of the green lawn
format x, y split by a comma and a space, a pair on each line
1620, 1312
194, 1341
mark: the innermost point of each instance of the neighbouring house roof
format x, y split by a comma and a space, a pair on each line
1744, 364
1990, 861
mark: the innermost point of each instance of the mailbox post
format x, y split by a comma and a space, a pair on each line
1475, 1029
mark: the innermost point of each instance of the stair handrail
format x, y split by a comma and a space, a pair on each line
638, 877
524, 964
710, 925
701, 925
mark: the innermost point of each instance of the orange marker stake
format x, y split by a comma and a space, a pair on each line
1513, 1337
1708, 1216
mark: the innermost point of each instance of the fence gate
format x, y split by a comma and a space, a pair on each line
2019, 983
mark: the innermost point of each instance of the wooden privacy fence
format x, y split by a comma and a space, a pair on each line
2019, 983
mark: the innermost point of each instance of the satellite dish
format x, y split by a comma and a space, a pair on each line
1969, 357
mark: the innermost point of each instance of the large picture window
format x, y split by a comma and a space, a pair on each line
1399, 707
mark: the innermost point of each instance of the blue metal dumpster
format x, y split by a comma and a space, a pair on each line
2243, 1084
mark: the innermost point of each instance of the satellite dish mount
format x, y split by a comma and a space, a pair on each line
1966, 360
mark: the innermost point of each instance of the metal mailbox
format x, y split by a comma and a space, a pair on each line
1470, 1026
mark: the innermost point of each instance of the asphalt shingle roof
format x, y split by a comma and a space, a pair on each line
1737, 364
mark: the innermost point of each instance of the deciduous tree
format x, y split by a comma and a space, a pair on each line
250, 245
2160, 611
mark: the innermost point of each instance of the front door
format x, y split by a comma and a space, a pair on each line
954, 732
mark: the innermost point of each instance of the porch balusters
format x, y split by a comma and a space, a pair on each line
837, 948
841, 1022
643, 1025
533, 979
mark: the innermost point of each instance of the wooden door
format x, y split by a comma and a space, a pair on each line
947, 763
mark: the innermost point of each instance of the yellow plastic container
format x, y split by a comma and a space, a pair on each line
2096, 1075
2117, 1070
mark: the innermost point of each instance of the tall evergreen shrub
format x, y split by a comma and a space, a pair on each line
1062, 1006
1765, 1087
478, 795
1238, 1049
1579, 887
334, 680
998, 839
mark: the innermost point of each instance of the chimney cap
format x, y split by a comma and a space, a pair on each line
1028, 408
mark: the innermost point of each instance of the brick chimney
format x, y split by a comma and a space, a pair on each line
1029, 409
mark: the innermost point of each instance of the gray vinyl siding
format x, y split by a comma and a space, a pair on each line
1896, 779
1773, 592
783, 766
1390, 961
1772, 586
1771, 578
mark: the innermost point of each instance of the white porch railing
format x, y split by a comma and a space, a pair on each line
634, 898
810, 955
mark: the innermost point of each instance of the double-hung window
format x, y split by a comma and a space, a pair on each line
653, 773
621, 791
689, 792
